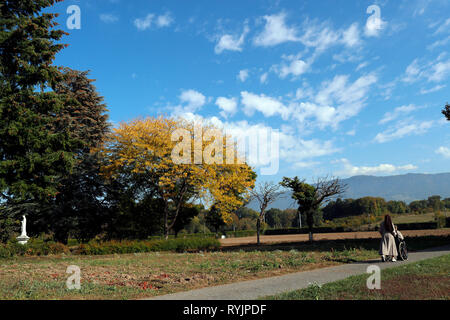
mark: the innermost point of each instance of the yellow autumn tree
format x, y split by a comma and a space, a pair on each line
185, 162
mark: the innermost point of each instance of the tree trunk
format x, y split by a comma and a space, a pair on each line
310, 221
258, 227
299, 219
166, 222
178, 208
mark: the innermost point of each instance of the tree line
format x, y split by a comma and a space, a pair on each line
373, 206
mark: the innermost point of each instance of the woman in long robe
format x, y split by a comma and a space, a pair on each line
388, 247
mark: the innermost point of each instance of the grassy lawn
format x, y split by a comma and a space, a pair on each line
131, 276
411, 218
423, 280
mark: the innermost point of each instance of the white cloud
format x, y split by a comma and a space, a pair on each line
275, 31
305, 92
420, 7
295, 67
350, 37
292, 149
263, 78
443, 27
444, 151
191, 101
243, 75
228, 106
349, 98
439, 43
305, 164
434, 89
362, 65
403, 128
399, 111
384, 168
439, 71
145, 23
108, 18
434, 71
412, 72
268, 106
164, 20
321, 36
230, 42
160, 21
323, 114
336, 101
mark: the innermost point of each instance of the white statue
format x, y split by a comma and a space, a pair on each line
23, 238
24, 227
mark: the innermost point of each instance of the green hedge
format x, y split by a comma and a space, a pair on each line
417, 226
229, 234
401, 226
303, 230
108, 247
240, 233
184, 236
177, 245
32, 249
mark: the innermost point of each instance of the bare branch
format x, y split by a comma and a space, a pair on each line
265, 194
327, 187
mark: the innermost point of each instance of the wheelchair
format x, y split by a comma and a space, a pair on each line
401, 248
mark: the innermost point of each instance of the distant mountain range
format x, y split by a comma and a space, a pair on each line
406, 187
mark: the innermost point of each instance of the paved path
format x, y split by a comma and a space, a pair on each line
253, 289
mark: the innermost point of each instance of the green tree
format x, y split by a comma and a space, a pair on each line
133, 209
215, 219
34, 157
273, 218
446, 203
310, 197
188, 212
396, 206
78, 207
434, 202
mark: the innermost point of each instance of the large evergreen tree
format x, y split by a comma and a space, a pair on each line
34, 156
79, 207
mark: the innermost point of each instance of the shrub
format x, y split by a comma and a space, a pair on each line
39, 248
177, 245
32, 248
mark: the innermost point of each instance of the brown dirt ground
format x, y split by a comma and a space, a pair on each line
328, 236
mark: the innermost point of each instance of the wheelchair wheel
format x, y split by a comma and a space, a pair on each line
402, 251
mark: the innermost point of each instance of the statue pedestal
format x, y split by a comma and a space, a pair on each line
23, 239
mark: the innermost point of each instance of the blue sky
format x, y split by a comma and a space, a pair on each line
350, 92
